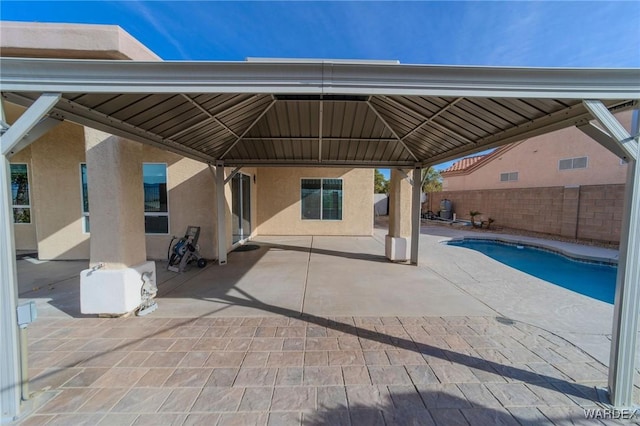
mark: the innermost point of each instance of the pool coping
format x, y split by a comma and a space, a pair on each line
572, 251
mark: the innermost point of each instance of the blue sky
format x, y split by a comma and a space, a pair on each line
517, 33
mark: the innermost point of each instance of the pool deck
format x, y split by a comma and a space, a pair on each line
323, 330
573, 250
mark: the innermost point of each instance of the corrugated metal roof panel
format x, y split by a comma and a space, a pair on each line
434, 120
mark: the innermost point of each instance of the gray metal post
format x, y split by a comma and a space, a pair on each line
10, 376
11, 139
221, 209
415, 213
627, 300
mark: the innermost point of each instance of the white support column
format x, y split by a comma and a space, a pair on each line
415, 213
10, 375
398, 240
221, 209
118, 252
627, 299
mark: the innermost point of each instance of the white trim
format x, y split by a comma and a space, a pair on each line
319, 77
321, 198
158, 214
22, 206
27, 122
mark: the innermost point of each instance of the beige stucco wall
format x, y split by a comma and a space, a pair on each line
56, 159
56, 230
400, 192
191, 197
78, 41
536, 161
116, 200
279, 201
54, 183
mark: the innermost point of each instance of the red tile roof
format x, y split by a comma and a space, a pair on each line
468, 164
464, 164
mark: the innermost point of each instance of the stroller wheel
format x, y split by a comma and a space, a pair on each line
202, 263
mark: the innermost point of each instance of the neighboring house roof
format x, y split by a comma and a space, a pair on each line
464, 164
469, 164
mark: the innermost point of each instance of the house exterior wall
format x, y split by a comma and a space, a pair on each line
56, 228
280, 204
536, 161
591, 212
191, 196
56, 196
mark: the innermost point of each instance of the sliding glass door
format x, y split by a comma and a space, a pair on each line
241, 206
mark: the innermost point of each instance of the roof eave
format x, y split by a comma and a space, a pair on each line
99, 76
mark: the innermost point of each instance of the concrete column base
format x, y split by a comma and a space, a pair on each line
397, 248
113, 291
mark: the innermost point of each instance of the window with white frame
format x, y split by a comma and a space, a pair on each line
156, 206
509, 177
20, 199
573, 163
84, 189
321, 199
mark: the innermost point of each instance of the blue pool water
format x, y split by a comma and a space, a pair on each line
590, 279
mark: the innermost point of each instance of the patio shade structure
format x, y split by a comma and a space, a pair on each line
327, 114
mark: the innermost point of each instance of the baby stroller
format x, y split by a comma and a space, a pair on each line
185, 251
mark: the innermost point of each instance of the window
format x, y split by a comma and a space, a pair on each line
508, 177
573, 163
85, 198
321, 199
156, 212
20, 193
156, 208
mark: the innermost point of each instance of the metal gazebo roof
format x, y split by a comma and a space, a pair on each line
317, 113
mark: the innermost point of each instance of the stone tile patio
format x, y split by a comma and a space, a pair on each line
361, 371
322, 330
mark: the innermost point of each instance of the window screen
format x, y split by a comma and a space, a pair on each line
311, 197
507, 177
332, 199
573, 163
321, 199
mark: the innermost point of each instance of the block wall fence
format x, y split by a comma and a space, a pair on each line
590, 212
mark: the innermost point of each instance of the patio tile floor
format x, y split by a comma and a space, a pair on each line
406, 381
456, 340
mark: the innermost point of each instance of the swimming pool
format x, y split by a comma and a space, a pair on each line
596, 280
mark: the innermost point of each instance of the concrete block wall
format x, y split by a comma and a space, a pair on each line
601, 208
591, 212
